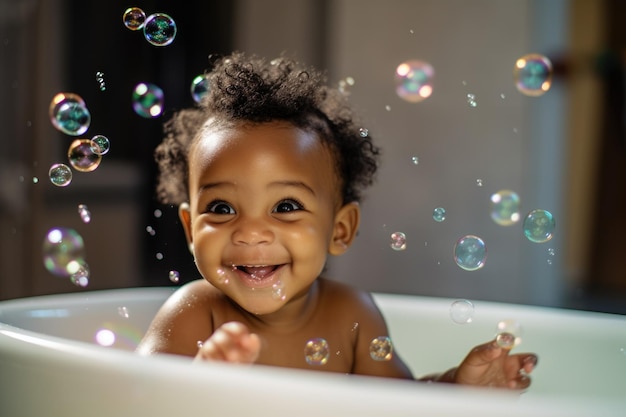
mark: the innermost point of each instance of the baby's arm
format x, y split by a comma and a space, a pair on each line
491, 365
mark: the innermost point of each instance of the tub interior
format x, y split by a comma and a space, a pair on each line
582, 355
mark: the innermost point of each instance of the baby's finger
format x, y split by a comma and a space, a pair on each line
485, 353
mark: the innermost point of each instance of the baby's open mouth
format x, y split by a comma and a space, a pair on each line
257, 272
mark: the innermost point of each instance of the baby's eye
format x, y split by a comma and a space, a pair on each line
288, 205
220, 207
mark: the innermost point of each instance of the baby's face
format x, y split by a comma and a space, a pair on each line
263, 200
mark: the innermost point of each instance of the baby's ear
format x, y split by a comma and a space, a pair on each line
344, 231
184, 214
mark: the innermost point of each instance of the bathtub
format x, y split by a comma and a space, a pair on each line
71, 355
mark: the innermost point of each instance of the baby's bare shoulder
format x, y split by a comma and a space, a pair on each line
346, 297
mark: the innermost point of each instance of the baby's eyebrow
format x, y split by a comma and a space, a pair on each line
288, 183
209, 185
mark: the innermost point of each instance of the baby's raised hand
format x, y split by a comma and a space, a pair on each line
231, 342
491, 365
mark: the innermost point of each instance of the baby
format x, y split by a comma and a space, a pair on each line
268, 172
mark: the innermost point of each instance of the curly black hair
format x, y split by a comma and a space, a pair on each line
249, 89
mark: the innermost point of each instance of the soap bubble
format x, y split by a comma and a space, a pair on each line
363, 132
316, 351
105, 337
415, 160
479, 182
505, 207
84, 213
159, 29
100, 80
148, 100
60, 175
533, 74
439, 214
62, 247
68, 114
414, 81
278, 291
539, 226
470, 253
508, 334
398, 241
174, 276
123, 312
134, 18
381, 348
462, 311
100, 145
81, 157
199, 88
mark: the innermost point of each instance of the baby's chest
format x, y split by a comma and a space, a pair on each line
325, 349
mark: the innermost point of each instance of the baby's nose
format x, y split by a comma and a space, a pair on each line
252, 232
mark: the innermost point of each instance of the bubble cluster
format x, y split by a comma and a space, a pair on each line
479, 182
470, 253
174, 276
462, 311
533, 74
63, 251
505, 207
539, 226
100, 145
415, 160
100, 80
60, 175
508, 334
278, 291
84, 213
159, 29
134, 18
414, 80
68, 114
439, 214
471, 100
81, 156
199, 88
381, 348
398, 241
316, 351
148, 100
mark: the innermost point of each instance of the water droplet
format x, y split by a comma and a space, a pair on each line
84, 213
533, 74
439, 214
159, 256
462, 311
414, 81
158, 213
60, 175
505, 207
159, 29
150, 230
174, 276
363, 132
316, 351
398, 241
134, 18
100, 80
148, 100
415, 160
508, 334
539, 226
470, 253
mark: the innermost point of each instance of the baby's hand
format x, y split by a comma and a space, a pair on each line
491, 365
231, 342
